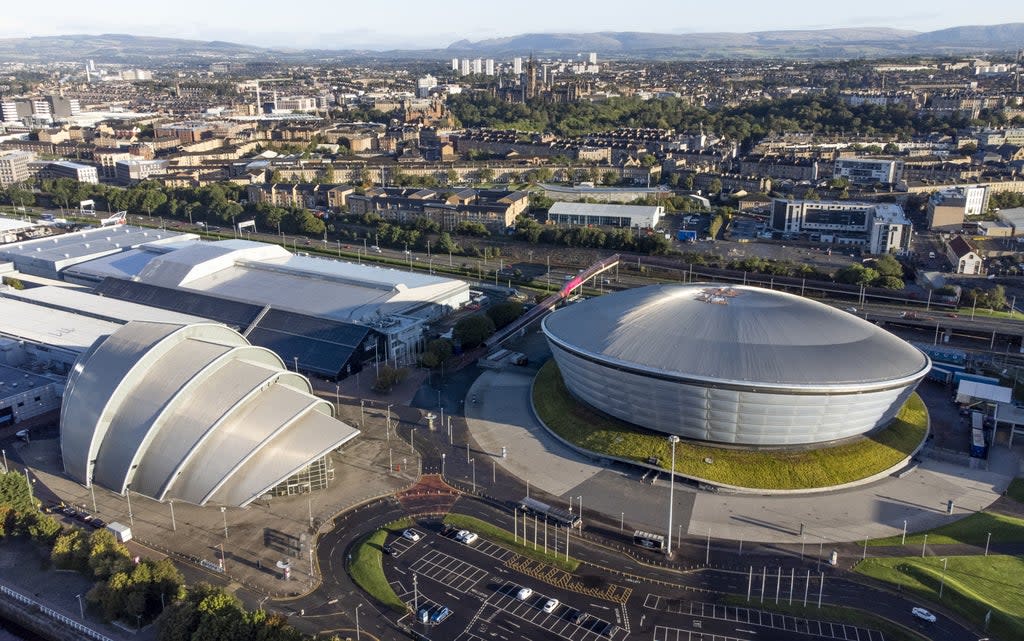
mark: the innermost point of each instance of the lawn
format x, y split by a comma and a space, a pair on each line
767, 469
498, 535
367, 568
1016, 490
835, 614
973, 530
974, 585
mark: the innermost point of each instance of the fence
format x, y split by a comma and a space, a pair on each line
53, 614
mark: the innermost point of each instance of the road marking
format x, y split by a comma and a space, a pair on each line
745, 631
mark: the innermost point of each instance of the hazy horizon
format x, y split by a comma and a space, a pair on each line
358, 27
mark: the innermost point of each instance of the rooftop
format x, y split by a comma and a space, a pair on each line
89, 242
13, 380
734, 335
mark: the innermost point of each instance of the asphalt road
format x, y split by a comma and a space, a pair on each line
478, 585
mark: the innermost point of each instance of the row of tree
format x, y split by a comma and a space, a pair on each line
745, 123
528, 229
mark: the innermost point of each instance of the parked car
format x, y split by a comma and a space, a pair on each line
524, 594
440, 615
550, 605
466, 536
387, 549
923, 614
411, 534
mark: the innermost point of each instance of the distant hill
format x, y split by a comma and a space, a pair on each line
801, 44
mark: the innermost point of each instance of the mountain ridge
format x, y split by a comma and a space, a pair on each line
798, 43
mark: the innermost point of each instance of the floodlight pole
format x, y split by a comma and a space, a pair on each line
673, 439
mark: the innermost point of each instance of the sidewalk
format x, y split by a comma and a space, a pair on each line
271, 530
504, 417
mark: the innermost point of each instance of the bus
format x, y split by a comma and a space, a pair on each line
649, 540
550, 513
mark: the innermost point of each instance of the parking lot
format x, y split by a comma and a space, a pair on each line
750, 617
448, 570
564, 622
478, 584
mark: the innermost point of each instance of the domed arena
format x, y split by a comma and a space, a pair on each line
733, 364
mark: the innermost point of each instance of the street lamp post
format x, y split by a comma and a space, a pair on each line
224, 515
357, 614
472, 462
580, 499
81, 608
903, 541
673, 439
942, 581
362, 415
128, 495
174, 525
5, 459
442, 464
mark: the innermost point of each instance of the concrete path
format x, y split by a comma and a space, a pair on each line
503, 417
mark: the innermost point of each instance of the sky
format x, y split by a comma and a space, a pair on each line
407, 24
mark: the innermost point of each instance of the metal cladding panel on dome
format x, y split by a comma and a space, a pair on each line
104, 377
727, 415
220, 393
287, 453
734, 335
237, 438
154, 389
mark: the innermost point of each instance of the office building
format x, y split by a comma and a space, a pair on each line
869, 171
14, 166
489, 67
880, 228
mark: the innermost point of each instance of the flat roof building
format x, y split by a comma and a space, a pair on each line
605, 215
48, 257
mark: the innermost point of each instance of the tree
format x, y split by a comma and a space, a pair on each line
486, 175
715, 187
887, 265
503, 314
388, 377
473, 330
437, 353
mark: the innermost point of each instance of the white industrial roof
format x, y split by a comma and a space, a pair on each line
37, 324
89, 242
108, 309
606, 209
268, 274
14, 224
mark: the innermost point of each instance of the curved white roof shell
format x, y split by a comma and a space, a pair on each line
192, 413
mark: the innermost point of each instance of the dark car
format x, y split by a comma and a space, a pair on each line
98, 523
387, 549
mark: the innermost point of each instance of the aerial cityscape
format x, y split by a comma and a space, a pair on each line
682, 324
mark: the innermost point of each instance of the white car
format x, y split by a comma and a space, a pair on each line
923, 614
466, 536
524, 594
412, 535
550, 605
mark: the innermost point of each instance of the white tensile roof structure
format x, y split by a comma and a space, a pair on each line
191, 412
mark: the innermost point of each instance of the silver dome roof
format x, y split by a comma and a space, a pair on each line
733, 335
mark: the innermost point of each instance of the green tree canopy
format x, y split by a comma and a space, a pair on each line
472, 331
